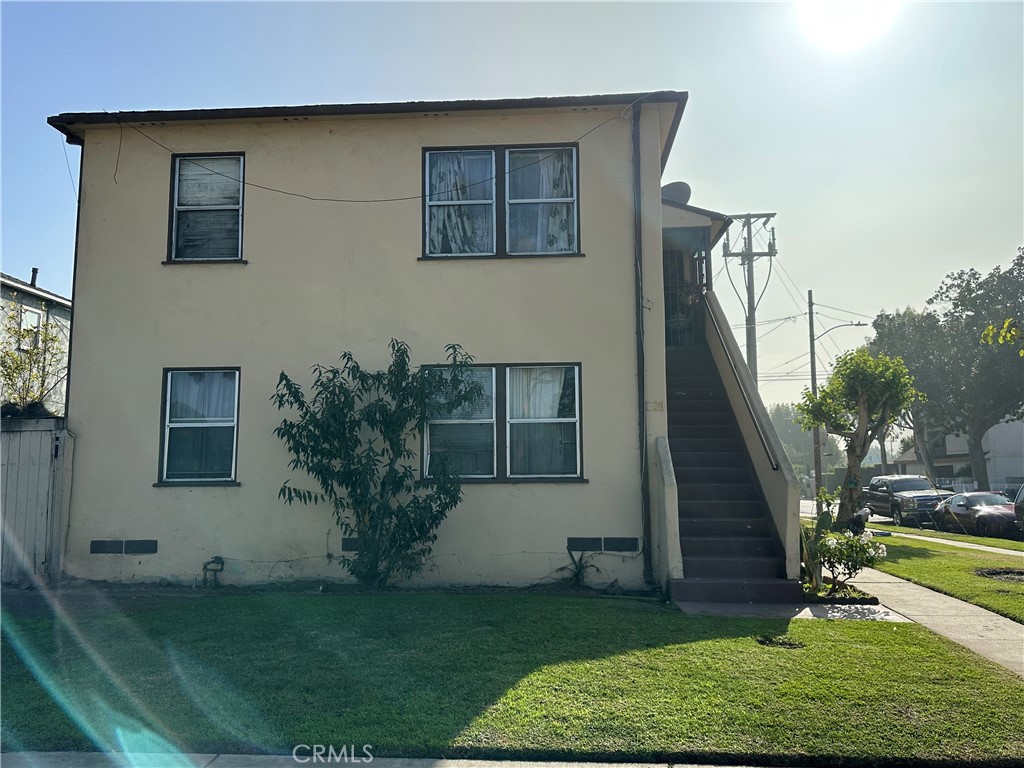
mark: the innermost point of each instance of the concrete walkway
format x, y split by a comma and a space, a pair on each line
987, 634
952, 543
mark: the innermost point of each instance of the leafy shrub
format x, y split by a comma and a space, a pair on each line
847, 554
352, 435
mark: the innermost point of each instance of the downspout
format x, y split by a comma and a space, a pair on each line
638, 262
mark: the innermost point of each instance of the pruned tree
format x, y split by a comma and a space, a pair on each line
863, 396
33, 361
353, 435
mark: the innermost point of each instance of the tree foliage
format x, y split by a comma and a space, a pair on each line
1010, 332
863, 397
33, 362
969, 386
353, 434
799, 443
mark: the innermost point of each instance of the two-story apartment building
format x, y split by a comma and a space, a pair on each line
244, 242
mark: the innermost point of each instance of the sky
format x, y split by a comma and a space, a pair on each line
890, 163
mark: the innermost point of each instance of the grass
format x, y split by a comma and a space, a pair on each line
1015, 544
500, 675
951, 570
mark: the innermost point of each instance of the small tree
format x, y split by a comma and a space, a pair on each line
863, 396
33, 361
353, 437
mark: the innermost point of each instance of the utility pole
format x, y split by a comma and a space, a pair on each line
747, 257
814, 393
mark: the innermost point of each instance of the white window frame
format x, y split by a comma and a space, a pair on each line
509, 202
172, 256
509, 421
492, 202
27, 344
168, 426
493, 421
502, 429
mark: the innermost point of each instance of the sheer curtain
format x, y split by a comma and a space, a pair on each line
202, 396
461, 177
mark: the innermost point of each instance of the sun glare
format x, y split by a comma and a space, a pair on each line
842, 26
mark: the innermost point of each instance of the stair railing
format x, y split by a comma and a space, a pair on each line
744, 382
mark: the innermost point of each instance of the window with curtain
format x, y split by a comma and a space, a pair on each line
200, 423
460, 203
539, 429
207, 217
465, 437
501, 201
543, 421
541, 201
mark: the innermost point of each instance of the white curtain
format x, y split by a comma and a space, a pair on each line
534, 393
202, 396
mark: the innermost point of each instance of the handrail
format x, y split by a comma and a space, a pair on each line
742, 386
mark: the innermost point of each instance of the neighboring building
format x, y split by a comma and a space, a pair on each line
37, 308
1004, 457
528, 231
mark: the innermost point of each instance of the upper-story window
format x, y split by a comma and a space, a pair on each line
501, 201
206, 221
31, 321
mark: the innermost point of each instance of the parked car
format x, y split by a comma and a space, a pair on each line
982, 512
907, 499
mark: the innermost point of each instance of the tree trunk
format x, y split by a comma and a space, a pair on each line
849, 492
885, 458
921, 445
978, 467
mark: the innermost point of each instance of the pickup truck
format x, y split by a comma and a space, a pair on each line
907, 499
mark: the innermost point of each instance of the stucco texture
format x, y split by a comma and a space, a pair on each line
325, 277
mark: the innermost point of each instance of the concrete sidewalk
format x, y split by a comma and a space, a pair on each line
118, 760
952, 543
987, 634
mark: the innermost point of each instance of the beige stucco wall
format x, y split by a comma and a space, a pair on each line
326, 277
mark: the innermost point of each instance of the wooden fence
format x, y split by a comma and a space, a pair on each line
35, 463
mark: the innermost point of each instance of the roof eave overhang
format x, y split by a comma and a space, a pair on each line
71, 123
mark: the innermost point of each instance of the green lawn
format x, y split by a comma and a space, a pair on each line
1016, 545
951, 570
499, 675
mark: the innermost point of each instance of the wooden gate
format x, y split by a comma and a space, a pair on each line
35, 462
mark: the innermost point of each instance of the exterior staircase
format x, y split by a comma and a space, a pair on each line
731, 551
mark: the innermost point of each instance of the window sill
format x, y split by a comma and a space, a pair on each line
502, 256
203, 261
195, 483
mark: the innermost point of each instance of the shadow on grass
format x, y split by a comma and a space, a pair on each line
260, 673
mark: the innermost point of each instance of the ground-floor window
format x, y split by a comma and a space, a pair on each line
200, 408
527, 425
